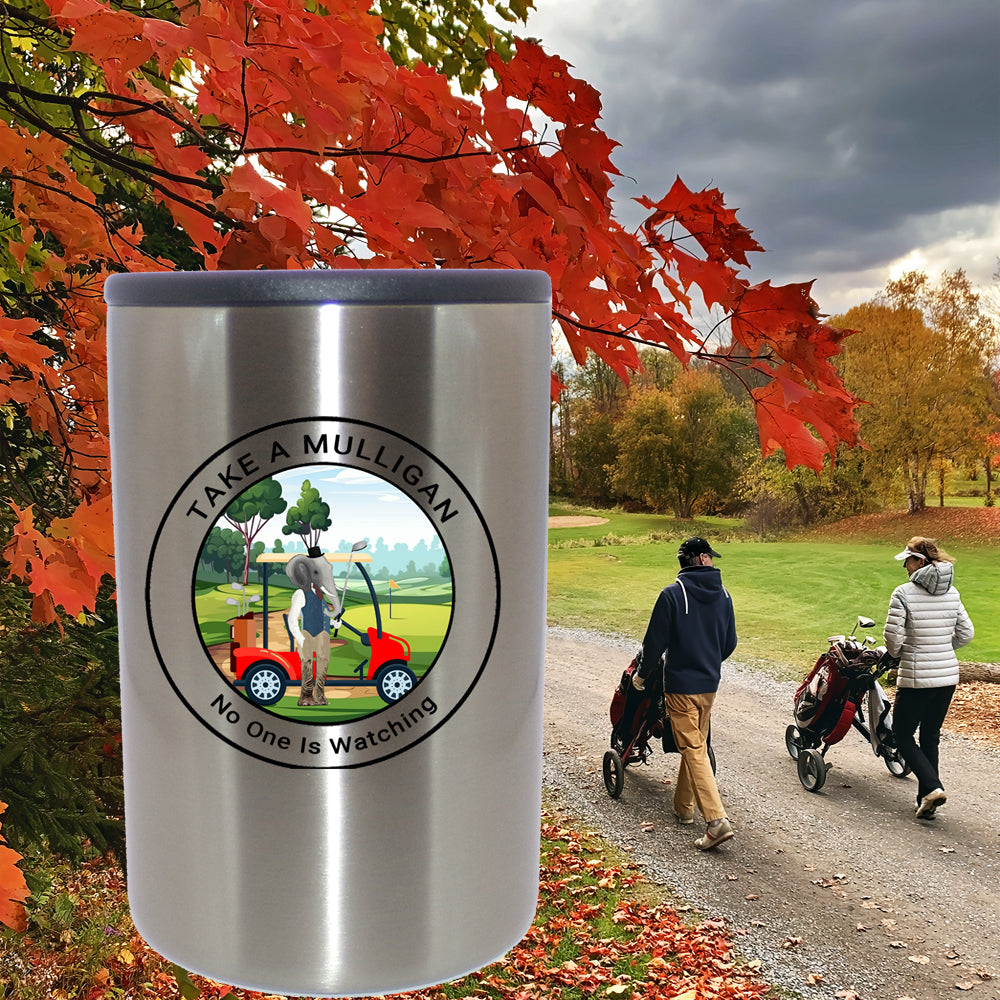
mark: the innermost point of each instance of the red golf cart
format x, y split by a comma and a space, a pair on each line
265, 674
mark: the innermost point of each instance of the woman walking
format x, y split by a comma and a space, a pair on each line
927, 622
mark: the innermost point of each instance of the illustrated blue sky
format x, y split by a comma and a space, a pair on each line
361, 506
858, 138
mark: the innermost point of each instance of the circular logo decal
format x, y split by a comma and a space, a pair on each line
322, 593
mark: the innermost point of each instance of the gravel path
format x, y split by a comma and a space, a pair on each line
843, 884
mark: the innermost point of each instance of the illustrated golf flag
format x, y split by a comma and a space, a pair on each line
392, 586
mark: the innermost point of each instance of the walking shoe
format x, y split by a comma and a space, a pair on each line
930, 803
717, 832
685, 819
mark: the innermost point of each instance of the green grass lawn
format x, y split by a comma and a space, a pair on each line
789, 595
639, 526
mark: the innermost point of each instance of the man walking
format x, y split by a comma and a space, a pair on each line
691, 631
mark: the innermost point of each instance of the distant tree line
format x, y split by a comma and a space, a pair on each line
224, 557
684, 441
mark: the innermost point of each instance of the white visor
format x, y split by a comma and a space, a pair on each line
906, 553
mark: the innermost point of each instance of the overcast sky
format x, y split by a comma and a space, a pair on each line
858, 138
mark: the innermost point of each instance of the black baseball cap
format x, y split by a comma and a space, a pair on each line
697, 547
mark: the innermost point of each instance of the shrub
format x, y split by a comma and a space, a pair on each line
60, 734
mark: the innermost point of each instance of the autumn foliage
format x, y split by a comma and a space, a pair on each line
13, 888
593, 935
245, 134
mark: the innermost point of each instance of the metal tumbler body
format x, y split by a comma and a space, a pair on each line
332, 740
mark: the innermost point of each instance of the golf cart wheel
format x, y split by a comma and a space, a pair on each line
265, 683
393, 681
793, 742
812, 770
614, 773
897, 767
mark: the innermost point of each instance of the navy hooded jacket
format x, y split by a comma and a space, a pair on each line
693, 623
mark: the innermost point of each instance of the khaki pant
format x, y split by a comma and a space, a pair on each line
690, 716
314, 678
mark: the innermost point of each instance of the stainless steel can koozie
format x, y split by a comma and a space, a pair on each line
330, 496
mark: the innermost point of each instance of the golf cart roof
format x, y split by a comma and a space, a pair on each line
334, 557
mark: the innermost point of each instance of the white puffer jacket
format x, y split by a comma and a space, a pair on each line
926, 624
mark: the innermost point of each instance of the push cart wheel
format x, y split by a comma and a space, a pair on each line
812, 770
793, 742
264, 683
393, 681
897, 767
711, 757
614, 773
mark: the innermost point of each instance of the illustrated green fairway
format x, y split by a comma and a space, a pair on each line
421, 625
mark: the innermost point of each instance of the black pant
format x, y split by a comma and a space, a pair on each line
926, 708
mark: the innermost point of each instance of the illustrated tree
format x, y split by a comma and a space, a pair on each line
257, 550
309, 517
921, 361
281, 134
251, 510
678, 446
231, 551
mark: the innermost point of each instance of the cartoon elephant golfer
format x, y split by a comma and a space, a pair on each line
313, 576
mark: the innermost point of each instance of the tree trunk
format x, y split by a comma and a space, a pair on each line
915, 477
987, 672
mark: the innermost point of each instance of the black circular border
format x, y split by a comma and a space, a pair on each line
323, 767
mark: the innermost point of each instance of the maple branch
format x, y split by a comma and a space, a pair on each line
727, 361
243, 91
744, 362
114, 233
392, 153
144, 173
19, 14
576, 324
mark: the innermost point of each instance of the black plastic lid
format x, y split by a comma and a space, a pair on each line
315, 287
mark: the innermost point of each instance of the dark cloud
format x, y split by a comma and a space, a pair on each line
843, 130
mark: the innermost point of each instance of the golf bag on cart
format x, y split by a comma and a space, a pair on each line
840, 692
636, 718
